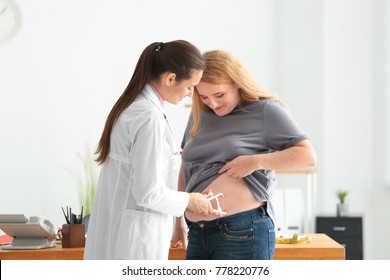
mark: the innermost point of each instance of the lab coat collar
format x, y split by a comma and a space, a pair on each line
158, 96
149, 93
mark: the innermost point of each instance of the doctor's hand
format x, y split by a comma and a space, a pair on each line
179, 237
199, 204
239, 167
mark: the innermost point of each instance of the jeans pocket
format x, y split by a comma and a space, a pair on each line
238, 231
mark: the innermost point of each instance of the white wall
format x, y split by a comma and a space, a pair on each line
348, 106
381, 128
71, 60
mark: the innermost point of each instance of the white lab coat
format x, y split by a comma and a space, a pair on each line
137, 190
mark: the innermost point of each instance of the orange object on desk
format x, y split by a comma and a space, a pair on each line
5, 239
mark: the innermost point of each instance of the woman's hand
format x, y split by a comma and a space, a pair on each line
300, 155
239, 167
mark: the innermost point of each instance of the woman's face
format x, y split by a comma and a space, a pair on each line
177, 91
221, 98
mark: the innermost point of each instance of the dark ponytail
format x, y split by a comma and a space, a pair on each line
179, 57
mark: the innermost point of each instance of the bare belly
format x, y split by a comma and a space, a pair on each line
236, 198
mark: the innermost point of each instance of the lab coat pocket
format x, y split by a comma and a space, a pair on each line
143, 236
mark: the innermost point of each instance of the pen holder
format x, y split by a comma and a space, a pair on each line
73, 235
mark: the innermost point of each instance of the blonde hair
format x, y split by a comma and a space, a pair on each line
223, 68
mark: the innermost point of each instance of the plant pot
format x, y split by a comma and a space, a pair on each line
342, 209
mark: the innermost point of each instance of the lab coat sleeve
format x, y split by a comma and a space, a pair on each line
147, 154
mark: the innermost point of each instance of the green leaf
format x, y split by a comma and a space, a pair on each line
342, 195
86, 180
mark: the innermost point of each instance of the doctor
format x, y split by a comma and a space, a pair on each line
137, 197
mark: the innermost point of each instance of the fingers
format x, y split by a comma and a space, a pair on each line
205, 208
232, 174
177, 244
210, 211
208, 192
227, 169
222, 170
219, 213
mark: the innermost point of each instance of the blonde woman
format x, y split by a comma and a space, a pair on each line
237, 135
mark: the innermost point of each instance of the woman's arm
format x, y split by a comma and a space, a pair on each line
300, 155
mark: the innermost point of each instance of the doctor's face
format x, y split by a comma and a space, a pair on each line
221, 98
184, 88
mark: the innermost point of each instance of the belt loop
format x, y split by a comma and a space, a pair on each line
187, 222
219, 223
262, 211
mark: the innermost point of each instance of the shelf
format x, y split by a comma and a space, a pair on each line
310, 194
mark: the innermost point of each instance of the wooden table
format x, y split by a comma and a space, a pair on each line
321, 247
55, 253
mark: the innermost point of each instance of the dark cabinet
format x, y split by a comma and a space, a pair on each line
348, 231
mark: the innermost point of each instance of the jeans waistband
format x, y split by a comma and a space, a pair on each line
261, 211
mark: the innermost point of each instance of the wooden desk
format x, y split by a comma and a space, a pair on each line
321, 247
56, 253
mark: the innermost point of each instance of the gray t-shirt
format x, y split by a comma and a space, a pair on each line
258, 128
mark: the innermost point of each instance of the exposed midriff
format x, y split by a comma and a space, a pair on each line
236, 198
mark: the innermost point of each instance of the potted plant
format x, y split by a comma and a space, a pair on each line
342, 206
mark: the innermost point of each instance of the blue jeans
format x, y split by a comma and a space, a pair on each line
248, 235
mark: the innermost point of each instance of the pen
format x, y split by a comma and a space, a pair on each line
66, 217
73, 219
81, 215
